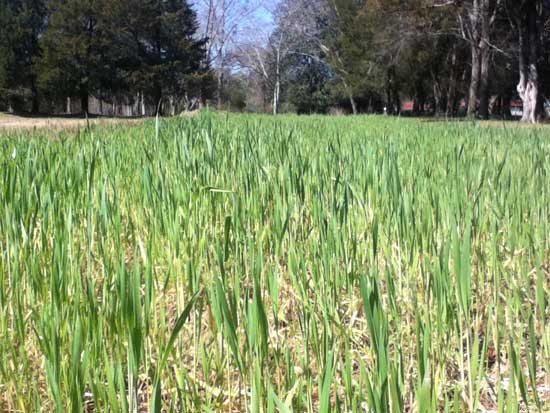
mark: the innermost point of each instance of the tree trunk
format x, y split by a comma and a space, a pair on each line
391, 95
438, 95
485, 61
276, 93
481, 16
350, 97
158, 99
172, 106
484, 82
220, 88
277, 88
35, 101
84, 95
451, 92
529, 93
474, 82
142, 103
396, 101
353, 104
529, 55
475, 17
437, 101
68, 107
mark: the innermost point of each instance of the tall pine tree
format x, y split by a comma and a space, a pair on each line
164, 57
147, 47
73, 49
22, 23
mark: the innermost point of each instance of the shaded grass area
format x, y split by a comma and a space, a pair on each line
248, 263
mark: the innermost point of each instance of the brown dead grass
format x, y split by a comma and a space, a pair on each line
506, 124
53, 123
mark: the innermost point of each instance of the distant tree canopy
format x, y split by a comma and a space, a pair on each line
145, 52
441, 57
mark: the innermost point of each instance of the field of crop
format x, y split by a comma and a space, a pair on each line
293, 264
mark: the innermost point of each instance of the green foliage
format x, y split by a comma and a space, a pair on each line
22, 23
68, 48
146, 46
5, 51
307, 88
73, 46
293, 264
351, 42
164, 34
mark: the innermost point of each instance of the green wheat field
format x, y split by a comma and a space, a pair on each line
240, 263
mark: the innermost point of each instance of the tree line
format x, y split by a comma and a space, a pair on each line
429, 57
441, 57
144, 52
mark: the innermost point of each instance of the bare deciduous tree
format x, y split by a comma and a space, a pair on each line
529, 17
297, 31
222, 23
476, 21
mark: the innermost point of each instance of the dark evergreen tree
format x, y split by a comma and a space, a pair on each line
73, 49
156, 50
128, 47
307, 84
22, 23
173, 57
6, 54
188, 53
